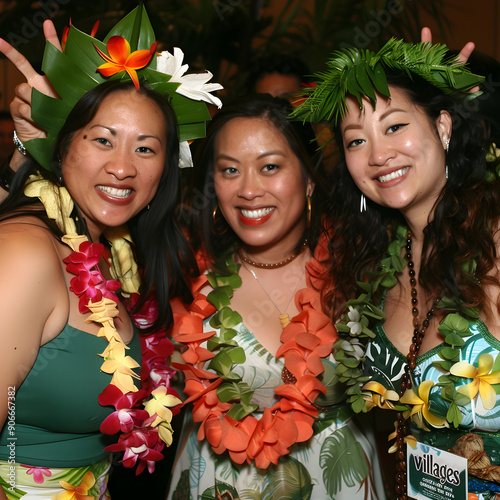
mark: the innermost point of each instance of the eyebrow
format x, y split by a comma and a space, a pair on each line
113, 132
223, 156
383, 116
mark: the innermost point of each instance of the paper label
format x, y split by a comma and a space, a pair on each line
434, 473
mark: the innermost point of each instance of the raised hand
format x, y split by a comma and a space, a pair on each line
20, 107
463, 56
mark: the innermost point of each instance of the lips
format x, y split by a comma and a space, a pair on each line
255, 217
393, 175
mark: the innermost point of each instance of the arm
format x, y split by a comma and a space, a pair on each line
30, 297
20, 107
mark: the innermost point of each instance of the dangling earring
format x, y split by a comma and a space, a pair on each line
148, 207
214, 219
362, 204
447, 141
60, 177
309, 211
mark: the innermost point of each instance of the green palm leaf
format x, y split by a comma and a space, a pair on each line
343, 461
360, 73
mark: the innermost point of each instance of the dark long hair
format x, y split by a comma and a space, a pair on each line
464, 217
162, 251
217, 238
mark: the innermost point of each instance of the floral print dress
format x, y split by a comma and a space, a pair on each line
385, 365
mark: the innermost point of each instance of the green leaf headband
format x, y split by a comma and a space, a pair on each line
361, 73
75, 71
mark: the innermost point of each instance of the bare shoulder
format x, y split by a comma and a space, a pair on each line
32, 276
32, 293
27, 239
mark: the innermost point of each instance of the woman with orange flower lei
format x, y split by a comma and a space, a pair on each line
88, 237
265, 422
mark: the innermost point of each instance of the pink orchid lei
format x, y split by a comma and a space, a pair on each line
142, 416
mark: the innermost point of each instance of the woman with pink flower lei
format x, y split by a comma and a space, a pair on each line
88, 238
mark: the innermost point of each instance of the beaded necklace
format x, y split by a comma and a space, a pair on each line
406, 381
274, 265
355, 330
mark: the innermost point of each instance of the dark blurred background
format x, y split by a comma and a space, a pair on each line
227, 36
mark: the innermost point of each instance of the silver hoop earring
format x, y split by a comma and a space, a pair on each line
362, 204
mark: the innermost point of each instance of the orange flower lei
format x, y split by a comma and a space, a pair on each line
221, 400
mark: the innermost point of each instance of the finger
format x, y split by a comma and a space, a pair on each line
426, 35
34, 79
23, 92
19, 61
466, 51
49, 30
20, 111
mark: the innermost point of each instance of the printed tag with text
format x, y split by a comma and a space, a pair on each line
436, 474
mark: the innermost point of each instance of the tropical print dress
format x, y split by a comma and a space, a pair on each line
385, 364
338, 462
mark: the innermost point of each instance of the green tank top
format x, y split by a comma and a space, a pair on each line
57, 416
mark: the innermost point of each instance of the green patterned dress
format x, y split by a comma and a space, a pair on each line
52, 434
385, 364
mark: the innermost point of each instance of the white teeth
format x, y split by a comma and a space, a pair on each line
255, 214
117, 193
393, 175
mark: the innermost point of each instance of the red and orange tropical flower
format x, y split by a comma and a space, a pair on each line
121, 59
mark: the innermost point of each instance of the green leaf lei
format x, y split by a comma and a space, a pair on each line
361, 73
362, 314
228, 352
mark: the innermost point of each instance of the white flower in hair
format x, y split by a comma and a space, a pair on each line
193, 86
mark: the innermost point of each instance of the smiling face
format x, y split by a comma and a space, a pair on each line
260, 186
395, 154
114, 164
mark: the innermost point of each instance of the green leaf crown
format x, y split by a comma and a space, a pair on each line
361, 73
74, 72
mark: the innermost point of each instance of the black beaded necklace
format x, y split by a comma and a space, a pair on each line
406, 382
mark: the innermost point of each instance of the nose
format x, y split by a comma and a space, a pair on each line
250, 186
380, 153
120, 164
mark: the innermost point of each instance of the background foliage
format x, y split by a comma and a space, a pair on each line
226, 35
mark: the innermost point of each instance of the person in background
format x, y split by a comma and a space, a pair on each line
278, 75
6, 131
